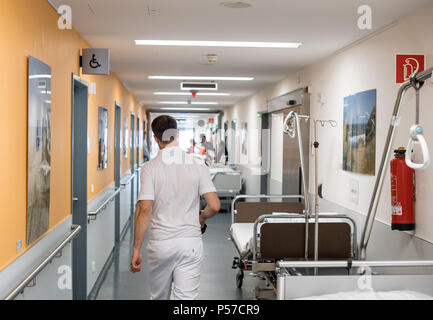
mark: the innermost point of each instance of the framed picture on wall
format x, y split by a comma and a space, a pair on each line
244, 138
102, 138
359, 133
125, 137
39, 149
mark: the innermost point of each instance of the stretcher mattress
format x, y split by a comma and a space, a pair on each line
242, 236
372, 295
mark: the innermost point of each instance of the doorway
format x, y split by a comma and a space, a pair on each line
137, 144
79, 186
132, 162
117, 169
232, 150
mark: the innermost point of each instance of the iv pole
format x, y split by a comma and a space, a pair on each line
333, 124
292, 127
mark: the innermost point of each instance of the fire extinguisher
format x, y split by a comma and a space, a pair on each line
402, 193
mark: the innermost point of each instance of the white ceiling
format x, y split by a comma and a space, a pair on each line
323, 26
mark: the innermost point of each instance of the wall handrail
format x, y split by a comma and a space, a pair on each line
92, 214
76, 229
124, 184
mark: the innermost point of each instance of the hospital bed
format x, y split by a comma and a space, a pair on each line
265, 233
269, 238
227, 182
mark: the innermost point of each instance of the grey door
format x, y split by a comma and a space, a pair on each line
232, 151
79, 186
117, 170
132, 162
137, 144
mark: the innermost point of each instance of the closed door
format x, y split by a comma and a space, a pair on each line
79, 186
117, 169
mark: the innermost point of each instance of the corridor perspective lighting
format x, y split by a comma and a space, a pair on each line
188, 94
233, 44
208, 78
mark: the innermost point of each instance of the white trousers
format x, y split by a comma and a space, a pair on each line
174, 268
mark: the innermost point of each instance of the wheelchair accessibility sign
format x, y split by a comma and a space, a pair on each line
96, 61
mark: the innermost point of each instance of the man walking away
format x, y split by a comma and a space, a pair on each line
169, 201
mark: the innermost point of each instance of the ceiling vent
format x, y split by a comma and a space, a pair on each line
235, 4
199, 86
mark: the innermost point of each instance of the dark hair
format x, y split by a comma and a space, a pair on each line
164, 128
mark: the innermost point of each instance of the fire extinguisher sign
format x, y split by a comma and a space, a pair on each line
408, 64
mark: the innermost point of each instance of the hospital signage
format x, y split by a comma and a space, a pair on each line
408, 64
96, 61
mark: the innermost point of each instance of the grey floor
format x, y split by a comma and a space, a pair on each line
217, 276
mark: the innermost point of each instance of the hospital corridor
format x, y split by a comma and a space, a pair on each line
216, 159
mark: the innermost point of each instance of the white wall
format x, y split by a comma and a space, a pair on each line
367, 65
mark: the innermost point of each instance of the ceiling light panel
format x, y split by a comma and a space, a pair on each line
205, 78
187, 109
230, 44
186, 102
188, 94
205, 103
173, 102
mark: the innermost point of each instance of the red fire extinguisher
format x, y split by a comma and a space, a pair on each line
402, 193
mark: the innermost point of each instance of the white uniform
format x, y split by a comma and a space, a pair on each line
175, 181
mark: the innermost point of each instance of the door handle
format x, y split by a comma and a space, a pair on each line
75, 199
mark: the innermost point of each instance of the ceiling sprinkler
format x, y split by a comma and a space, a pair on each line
194, 93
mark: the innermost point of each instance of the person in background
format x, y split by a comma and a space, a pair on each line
169, 202
192, 149
208, 146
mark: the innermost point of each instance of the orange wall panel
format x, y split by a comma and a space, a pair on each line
29, 27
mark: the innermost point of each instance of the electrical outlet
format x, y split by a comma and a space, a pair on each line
92, 188
354, 191
19, 245
93, 266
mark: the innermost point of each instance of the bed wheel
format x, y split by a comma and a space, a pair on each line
240, 279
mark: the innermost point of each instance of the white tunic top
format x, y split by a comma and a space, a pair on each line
174, 181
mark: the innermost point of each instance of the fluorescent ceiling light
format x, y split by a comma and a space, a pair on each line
233, 44
188, 94
186, 102
187, 109
208, 103
173, 102
207, 78
40, 76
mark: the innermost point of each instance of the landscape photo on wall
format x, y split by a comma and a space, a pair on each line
359, 133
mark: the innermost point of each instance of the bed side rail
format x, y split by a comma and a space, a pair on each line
323, 218
258, 197
354, 263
